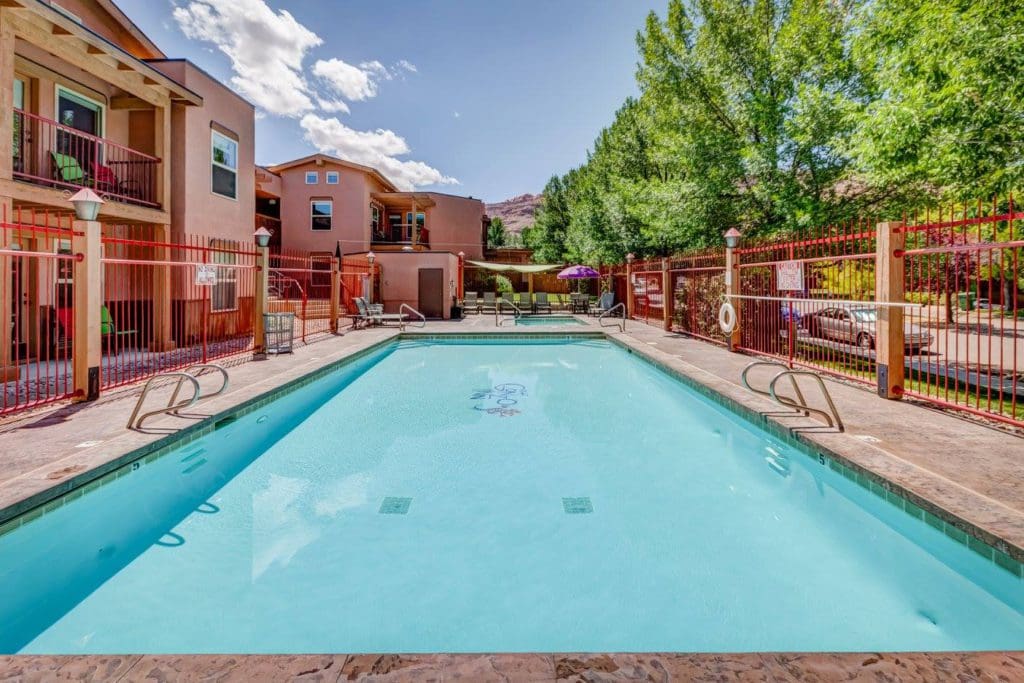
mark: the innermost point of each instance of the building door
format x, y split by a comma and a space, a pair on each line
432, 292
79, 113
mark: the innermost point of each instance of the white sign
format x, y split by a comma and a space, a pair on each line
789, 276
206, 276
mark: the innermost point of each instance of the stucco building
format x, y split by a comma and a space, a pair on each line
323, 204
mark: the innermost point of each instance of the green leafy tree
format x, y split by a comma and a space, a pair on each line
497, 234
551, 223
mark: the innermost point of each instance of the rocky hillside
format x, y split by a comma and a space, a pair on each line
516, 212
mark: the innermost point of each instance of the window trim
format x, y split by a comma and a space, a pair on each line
101, 107
214, 133
316, 177
313, 201
327, 177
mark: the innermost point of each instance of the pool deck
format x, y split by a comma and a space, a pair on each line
969, 474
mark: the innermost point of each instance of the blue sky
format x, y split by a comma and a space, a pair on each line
475, 97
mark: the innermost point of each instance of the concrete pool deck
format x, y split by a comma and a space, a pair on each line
969, 473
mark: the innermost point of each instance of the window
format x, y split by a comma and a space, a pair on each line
375, 221
224, 294
312, 177
332, 177
321, 212
224, 160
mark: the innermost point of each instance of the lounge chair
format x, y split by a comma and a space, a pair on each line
604, 304
489, 304
66, 169
541, 303
471, 302
373, 314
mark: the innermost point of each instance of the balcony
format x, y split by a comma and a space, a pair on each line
50, 154
402, 234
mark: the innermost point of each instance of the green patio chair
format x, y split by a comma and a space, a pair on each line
67, 169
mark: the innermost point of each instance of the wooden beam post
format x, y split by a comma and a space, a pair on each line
335, 294
259, 335
667, 294
162, 338
86, 345
630, 294
889, 334
732, 286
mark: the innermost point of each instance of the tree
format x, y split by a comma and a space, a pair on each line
551, 222
947, 109
497, 234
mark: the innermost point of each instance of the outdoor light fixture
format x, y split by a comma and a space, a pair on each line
87, 204
462, 255
262, 237
732, 238
371, 257
630, 257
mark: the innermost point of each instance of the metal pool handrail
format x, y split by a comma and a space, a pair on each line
838, 423
622, 322
407, 307
775, 363
201, 367
171, 407
497, 311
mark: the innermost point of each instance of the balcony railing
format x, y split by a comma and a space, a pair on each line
402, 233
54, 155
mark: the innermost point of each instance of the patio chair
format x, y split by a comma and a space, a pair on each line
107, 181
542, 303
110, 331
471, 302
489, 304
604, 304
67, 169
373, 314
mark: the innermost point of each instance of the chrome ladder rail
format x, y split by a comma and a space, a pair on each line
622, 320
174, 406
498, 320
171, 407
799, 404
407, 307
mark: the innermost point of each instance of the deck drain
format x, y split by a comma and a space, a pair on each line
577, 506
392, 505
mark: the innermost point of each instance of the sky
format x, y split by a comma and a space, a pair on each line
485, 98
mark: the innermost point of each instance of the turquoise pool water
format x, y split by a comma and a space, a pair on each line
464, 497
545, 319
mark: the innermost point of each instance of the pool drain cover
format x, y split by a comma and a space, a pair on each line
394, 506
577, 506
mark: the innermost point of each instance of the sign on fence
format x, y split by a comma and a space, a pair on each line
789, 276
206, 276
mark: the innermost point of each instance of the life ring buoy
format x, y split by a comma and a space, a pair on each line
727, 318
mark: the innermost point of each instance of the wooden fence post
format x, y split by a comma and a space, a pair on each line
259, 336
630, 299
732, 286
667, 294
87, 344
335, 294
889, 337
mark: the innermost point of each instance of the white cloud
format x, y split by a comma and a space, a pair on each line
352, 82
378, 148
266, 49
456, 114
407, 65
332, 106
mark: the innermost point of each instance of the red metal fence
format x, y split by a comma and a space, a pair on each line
359, 278
300, 283
169, 305
36, 280
963, 319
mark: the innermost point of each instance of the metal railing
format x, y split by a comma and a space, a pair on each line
174, 407
49, 153
798, 404
498, 320
413, 311
621, 324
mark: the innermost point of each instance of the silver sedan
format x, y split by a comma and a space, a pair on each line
857, 325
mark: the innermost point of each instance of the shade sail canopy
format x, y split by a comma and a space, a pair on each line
578, 273
514, 267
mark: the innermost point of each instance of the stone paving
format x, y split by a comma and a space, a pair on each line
970, 473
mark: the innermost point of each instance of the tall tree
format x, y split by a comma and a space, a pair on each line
551, 222
497, 234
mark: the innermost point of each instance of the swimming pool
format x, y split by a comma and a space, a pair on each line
544, 319
461, 496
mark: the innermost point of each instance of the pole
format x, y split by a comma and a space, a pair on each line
259, 341
87, 344
732, 286
889, 336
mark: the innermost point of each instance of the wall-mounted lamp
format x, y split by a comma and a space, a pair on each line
371, 257
732, 238
87, 204
630, 257
262, 237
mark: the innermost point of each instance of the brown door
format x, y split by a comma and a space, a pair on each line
432, 292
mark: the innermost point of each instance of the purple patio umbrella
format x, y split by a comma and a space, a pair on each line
578, 273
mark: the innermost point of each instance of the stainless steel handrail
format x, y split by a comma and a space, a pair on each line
407, 307
838, 423
622, 322
201, 367
497, 311
775, 363
171, 407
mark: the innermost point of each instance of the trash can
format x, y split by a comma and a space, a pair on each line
278, 332
966, 301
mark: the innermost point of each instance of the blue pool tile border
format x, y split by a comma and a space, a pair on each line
1008, 557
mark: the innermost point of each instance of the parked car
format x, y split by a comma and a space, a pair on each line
857, 325
985, 304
